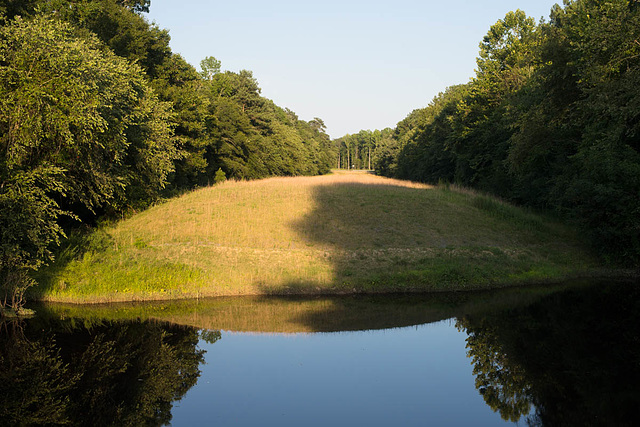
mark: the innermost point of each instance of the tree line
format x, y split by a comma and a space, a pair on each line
361, 150
550, 120
98, 116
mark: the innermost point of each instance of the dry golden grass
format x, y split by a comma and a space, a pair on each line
241, 214
339, 233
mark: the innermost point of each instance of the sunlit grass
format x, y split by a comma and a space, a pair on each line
345, 232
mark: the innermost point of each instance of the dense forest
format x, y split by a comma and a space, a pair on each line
550, 120
98, 117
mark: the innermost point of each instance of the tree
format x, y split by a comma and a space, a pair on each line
80, 131
210, 67
178, 83
136, 5
251, 137
505, 57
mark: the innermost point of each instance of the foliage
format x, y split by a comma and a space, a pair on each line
210, 67
220, 176
80, 130
366, 150
99, 117
251, 137
550, 120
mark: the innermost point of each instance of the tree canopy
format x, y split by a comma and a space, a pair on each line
550, 120
99, 116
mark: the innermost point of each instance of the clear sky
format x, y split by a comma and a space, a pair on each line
355, 64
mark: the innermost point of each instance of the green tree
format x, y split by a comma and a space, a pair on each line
505, 59
80, 130
251, 137
220, 176
179, 84
428, 137
210, 66
601, 189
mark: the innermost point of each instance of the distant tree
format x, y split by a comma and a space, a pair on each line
210, 67
318, 125
251, 137
220, 176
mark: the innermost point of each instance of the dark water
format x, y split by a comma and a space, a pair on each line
562, 355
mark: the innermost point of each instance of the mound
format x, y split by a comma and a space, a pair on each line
341, 233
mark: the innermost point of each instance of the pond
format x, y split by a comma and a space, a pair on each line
556, 355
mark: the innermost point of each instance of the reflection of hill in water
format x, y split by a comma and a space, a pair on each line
569, 352
318, 314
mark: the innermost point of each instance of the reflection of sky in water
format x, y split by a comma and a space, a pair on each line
396, 377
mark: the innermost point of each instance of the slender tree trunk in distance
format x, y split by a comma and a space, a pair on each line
357, 158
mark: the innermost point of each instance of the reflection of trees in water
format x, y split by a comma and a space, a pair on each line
575, 355
126, 373
33, 379
502, 383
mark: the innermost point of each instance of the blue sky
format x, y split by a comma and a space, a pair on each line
355, 64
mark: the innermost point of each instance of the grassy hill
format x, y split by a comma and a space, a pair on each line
341, 233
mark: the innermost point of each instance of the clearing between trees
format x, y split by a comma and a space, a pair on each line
348, 232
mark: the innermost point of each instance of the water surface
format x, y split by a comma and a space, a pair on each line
408, 376
561, 355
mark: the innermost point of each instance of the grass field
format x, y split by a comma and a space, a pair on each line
340, 233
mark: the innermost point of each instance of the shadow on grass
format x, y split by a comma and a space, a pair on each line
386, 237
372, 231
79, 243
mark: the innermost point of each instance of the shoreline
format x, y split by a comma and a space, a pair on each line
621, 275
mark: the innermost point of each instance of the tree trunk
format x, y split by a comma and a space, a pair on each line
357, 158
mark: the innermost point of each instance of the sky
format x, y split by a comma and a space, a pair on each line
355, 64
